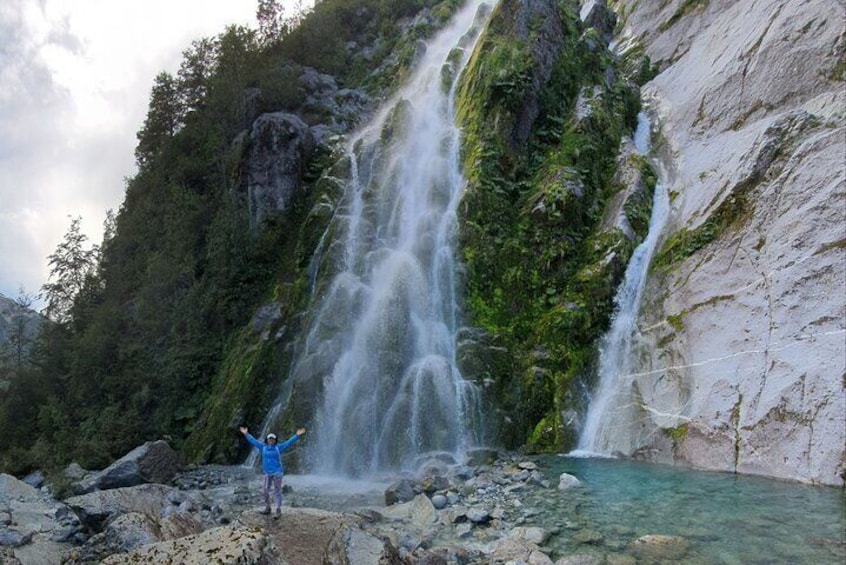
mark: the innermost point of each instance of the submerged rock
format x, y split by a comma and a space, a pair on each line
652, 547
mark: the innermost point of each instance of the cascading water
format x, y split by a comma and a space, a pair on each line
609, 424
380, 349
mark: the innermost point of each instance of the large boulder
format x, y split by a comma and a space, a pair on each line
153, 462
655, 547
402, 490
130, 531
95, 508
33, 526
353, 546
225, 545
515, 550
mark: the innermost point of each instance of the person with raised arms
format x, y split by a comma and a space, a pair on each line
271, 464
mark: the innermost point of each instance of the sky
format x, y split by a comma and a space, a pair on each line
75, 80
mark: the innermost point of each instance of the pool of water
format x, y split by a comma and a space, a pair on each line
726, 518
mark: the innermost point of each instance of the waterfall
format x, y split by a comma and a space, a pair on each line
609, 424
379, 351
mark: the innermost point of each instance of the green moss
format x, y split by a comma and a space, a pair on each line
742, 119
684, 8
728, 215
544, 437
540, 273
237, 400
838, 71
638, 209
837, 244
735, 424
676, 321
637, 66
677, 434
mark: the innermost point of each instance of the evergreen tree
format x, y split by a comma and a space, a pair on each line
270, 17
70, 267
195, 73
164, 119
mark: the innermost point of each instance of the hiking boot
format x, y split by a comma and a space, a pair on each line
266, 510
278, 512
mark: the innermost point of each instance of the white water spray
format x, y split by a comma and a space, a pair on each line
379, 353
608, 424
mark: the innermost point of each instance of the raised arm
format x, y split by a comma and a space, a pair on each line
253, 441
288, 442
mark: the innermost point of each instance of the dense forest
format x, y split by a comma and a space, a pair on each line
151, 335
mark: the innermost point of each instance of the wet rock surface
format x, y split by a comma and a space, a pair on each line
456, 514
507, 511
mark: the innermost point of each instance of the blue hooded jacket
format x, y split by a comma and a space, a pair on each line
271, 460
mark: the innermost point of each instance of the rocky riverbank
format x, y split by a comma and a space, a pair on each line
470, 512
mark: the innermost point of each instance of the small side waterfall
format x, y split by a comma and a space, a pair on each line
609, 423
379, 352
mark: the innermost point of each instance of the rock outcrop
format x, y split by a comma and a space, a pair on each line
742, 366
152, 462
279, 146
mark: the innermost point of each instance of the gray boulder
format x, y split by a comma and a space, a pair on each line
480, 456
31, 522
512, 550
228, 544
402, 490
353, 546
95, 508
153, 462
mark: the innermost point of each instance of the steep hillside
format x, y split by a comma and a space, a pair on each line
742, 368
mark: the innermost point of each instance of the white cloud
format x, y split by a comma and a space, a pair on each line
76, 78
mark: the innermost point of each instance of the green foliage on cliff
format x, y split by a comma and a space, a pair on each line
539, 272
157, 342
728, 215
161, 340
686, 7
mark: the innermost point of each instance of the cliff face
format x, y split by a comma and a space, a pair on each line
742, 368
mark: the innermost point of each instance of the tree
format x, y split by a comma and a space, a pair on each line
71, 266
21, 331
270, 16
198, 66
164, 119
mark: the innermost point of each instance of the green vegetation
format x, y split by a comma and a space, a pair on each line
676, 321
684, 8
677, 434
538, 274
838, 71
729, 214
152, 336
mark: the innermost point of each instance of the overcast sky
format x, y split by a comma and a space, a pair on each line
75, 79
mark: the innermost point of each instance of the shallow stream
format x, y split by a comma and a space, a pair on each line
727, 518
